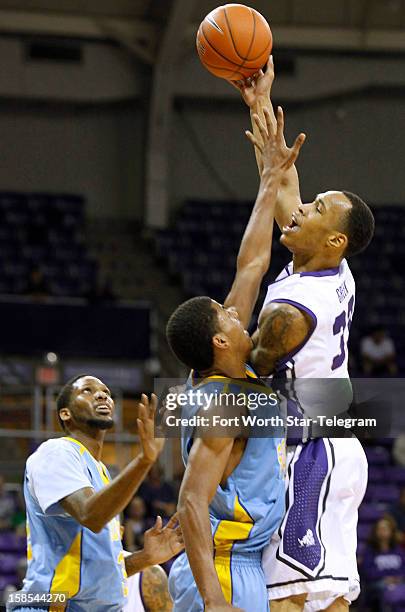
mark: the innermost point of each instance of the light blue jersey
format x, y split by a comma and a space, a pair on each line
63, 555
247, 511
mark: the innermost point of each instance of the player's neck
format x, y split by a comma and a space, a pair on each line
302, 262
236, 369
93, 441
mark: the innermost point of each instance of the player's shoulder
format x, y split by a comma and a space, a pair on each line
55, 447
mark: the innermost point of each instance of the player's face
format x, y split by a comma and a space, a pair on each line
232, 329
312, 225
91, 403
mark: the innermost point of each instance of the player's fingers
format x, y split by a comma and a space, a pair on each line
280, 123
159, 523
260, 126
172, 521
237, 84
269, 125
254, 141
270, 67
295, 150
144, 399
141, 429
142, 413
153, 405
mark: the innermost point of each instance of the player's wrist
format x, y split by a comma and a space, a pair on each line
212, 601
260, 101
145, 461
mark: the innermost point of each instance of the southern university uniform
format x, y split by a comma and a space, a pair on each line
243, 514
314, 550
63, 555
134, 601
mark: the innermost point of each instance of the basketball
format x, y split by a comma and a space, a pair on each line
234, 41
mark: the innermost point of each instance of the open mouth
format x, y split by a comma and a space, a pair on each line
103, 409
291, 227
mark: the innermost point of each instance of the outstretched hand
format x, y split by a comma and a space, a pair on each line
276, 156
151, 446
257, 86
163, 543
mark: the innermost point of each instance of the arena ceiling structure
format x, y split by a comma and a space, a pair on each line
141, 25
158, 32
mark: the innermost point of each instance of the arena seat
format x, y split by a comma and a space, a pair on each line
43, 231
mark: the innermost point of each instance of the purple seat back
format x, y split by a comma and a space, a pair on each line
370, 513
10, 542
377, 455
395, 594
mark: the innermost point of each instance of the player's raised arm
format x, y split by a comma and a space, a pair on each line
256, 92
255, 250
95, 510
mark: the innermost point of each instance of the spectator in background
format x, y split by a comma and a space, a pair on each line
135, 524
383, 564
398, 450
397, 511
7, 507
378, 354
158, 494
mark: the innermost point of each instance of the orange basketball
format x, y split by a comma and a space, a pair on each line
234, 41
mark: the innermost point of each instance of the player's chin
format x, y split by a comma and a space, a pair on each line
288, 240
101, 422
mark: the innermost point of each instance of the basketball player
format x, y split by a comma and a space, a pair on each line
303, 333
148, 591
74, 540
232, 495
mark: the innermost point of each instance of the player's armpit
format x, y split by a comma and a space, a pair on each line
154, 589
282, 329
75, 504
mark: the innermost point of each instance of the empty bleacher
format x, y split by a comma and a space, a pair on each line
44, 232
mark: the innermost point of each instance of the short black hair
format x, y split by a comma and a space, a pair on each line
359, 225
63, 399
190, 330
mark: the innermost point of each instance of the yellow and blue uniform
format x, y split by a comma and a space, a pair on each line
245, 513
64, 556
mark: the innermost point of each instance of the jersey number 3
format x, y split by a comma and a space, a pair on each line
339, 327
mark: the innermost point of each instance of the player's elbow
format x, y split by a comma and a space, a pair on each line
257, 266
188, 504
92, 523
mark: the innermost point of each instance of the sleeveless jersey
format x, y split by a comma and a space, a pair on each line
313, 380
63, 555
249, 509
328, 297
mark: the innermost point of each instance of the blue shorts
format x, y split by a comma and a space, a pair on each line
241, 578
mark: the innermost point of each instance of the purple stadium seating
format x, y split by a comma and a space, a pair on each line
387, 493
7, 579
376, 473
363, 532
10, 542
8, 563
369, 513
395, 474
395, 595
377, 455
